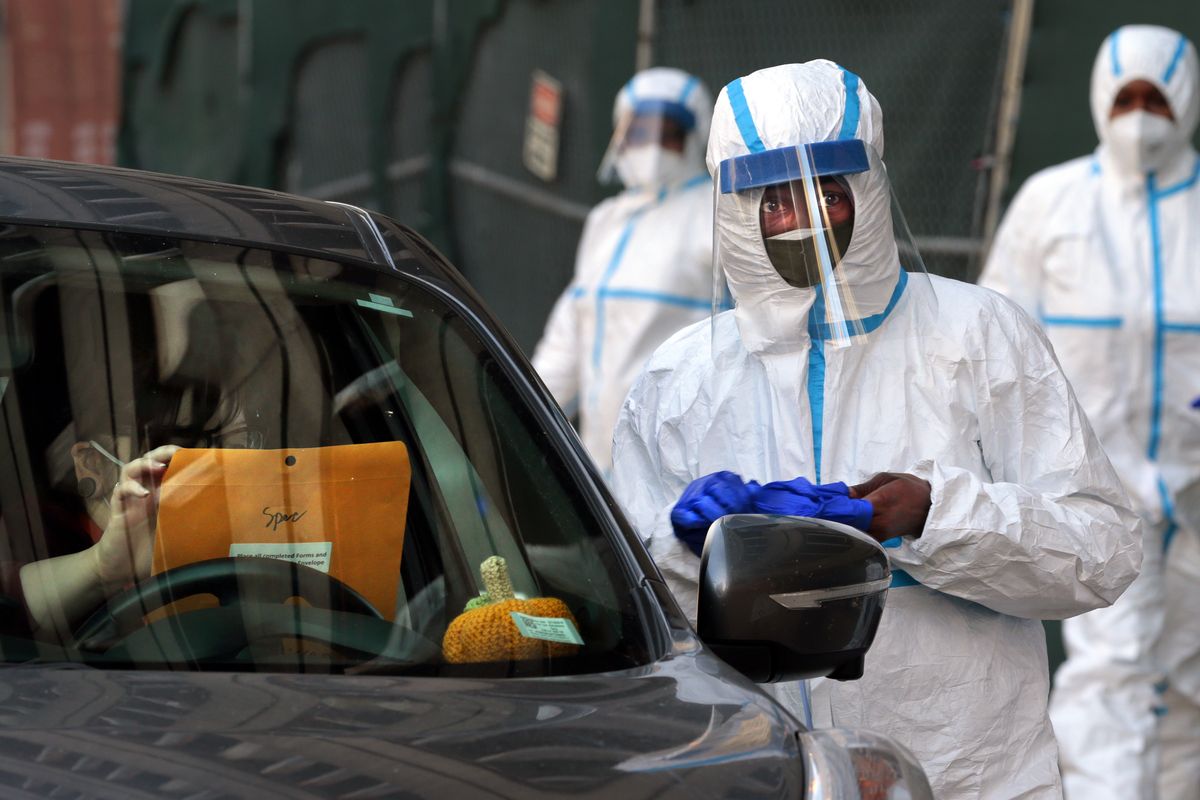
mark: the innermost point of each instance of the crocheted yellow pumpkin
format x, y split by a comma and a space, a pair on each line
486, 631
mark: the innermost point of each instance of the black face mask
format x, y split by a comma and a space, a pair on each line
796, 260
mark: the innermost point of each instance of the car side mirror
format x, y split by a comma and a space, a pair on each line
784, 598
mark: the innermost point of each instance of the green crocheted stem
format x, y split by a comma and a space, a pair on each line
478, 602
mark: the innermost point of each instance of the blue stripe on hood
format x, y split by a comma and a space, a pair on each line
742, 116
851, 114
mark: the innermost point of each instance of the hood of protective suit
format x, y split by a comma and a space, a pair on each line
788, 106
664, 87
1166, 59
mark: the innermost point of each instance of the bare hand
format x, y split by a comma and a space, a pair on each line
124, 552
901, 504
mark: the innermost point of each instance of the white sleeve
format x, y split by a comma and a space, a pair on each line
559, 352
1051, 534
556, 357
1016, 268
650, 472
1015, 262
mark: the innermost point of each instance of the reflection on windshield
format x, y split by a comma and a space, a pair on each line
225, 458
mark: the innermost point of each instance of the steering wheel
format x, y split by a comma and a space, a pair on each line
232, 580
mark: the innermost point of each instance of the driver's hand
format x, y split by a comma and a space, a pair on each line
124, 552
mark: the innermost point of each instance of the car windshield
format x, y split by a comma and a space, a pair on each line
359, 486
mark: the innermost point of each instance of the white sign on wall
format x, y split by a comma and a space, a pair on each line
542, 125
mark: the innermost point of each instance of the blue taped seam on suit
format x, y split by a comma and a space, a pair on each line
602, 290
1083, 322
1179, 48
1186, 183
824, 330
900, 578
1157, 387
1161, 327
851, 112
618, 253
1168, 514
816, 380
742, 116
1112, 53
806, 702
658, 297
816, 399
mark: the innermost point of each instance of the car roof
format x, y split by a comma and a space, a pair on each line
36, 191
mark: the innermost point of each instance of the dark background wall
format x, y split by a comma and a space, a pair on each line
418, 108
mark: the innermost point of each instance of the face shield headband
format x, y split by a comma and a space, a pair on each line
785, 164
648, 144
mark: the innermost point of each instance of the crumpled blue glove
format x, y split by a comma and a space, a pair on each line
706, 500
801, 498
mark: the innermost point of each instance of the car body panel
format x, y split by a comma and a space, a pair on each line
684, 726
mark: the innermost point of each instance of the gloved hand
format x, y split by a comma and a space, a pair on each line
798, 497
801, 498
706, 500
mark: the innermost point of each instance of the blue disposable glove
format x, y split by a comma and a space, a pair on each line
797, 497
802, 498
706, 500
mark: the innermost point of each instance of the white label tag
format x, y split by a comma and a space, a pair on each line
552, 629
310, 554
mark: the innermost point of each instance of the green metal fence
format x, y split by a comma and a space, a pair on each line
418, 108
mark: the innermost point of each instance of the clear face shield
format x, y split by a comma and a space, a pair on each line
821, 218
647, 145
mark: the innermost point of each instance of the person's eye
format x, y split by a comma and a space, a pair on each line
772, 206
832, 199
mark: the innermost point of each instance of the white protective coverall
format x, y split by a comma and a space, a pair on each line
1108, 255
643, 271
1028, 519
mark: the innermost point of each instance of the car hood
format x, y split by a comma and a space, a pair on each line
685, 726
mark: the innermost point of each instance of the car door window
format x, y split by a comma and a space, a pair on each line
115, 344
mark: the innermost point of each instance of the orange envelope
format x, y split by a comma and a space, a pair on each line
339, 509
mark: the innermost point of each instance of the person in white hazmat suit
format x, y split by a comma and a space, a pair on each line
1105, 249
843, 361
644, 264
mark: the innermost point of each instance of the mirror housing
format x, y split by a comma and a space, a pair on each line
785, 598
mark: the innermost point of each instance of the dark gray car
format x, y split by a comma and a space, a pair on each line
286, 514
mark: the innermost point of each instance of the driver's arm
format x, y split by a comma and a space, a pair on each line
60, 591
